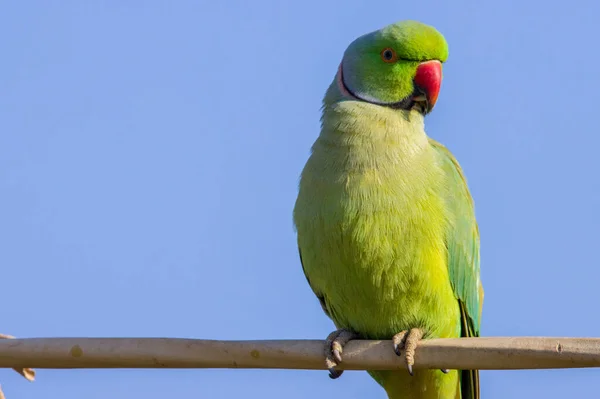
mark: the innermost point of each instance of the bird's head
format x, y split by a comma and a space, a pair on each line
398, 66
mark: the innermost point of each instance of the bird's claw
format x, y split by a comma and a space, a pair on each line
334, 374
407, 340
334, 345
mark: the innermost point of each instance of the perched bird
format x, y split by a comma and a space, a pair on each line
386, 225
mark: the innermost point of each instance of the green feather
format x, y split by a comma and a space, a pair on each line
413, 42
386, 226
463, 256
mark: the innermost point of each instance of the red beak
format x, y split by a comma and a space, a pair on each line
428, 79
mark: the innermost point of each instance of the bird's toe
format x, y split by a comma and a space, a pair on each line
334, 346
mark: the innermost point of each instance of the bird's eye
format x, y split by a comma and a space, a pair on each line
388, 55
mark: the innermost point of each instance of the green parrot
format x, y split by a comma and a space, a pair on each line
386, 225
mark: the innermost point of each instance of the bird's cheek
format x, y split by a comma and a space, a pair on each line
428, 78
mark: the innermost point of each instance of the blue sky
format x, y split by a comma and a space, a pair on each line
149, 160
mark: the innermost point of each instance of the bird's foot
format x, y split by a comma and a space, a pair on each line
407, 341
334, 345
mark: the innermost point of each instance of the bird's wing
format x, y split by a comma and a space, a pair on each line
319, 295
462, 241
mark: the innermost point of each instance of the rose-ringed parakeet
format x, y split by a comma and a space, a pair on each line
386, 226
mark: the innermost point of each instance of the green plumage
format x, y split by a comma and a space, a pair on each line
386, 225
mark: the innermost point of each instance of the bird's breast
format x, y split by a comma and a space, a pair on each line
371, 236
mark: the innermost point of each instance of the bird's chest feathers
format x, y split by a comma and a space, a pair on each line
373, 228
385, 229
